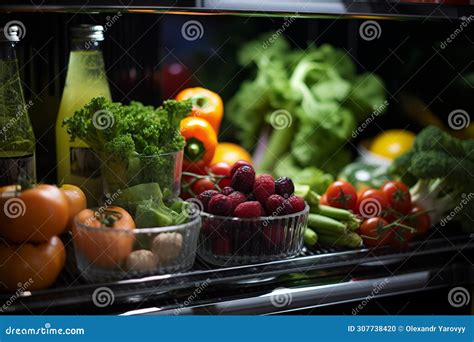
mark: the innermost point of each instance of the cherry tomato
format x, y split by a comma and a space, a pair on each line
398, 196
401, 236
201, 185
221, 169
419, 219
323, 200
371, 203
374, 233
341, 194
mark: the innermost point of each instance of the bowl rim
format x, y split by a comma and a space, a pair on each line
135, 231
261, 218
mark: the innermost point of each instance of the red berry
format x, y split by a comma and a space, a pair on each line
264, 187
220, 205
237, 197
276, 205
243, 179
284, 187
249, 209
297, 203
205, 196
227, 191
238, 164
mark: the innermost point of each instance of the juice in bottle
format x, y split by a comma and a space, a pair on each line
85, 80
17, 140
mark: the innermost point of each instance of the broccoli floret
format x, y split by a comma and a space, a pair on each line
443, 167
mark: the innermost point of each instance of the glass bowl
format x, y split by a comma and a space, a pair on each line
163, 169
234, 241
111, 253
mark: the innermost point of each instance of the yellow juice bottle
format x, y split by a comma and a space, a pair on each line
85, 80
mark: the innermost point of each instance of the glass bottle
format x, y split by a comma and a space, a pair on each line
85, 79
17, 140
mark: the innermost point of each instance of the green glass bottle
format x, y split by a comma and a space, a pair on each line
17, 140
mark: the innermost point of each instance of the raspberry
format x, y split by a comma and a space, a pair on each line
249, 209
243, 179
237, 197
297, 203
227, 191
238, 164
220, 205
277, 206
264, 187
284, 187
205, 196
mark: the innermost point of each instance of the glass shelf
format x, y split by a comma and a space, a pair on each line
397, 9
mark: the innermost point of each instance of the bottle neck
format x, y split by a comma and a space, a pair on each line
86, 45
7, 51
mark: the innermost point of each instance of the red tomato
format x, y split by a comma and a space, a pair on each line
323, 200
372, 203
419, 219
201, 185
398, 196
373, 232
401, 236
341, 194
222, 169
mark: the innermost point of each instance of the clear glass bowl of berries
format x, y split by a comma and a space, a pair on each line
255, 219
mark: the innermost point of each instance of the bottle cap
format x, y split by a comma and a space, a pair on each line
85, 31
10, 33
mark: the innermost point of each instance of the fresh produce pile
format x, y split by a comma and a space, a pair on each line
305, 104
380, 216
244, 212
440, 169
329, 225
32, 218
